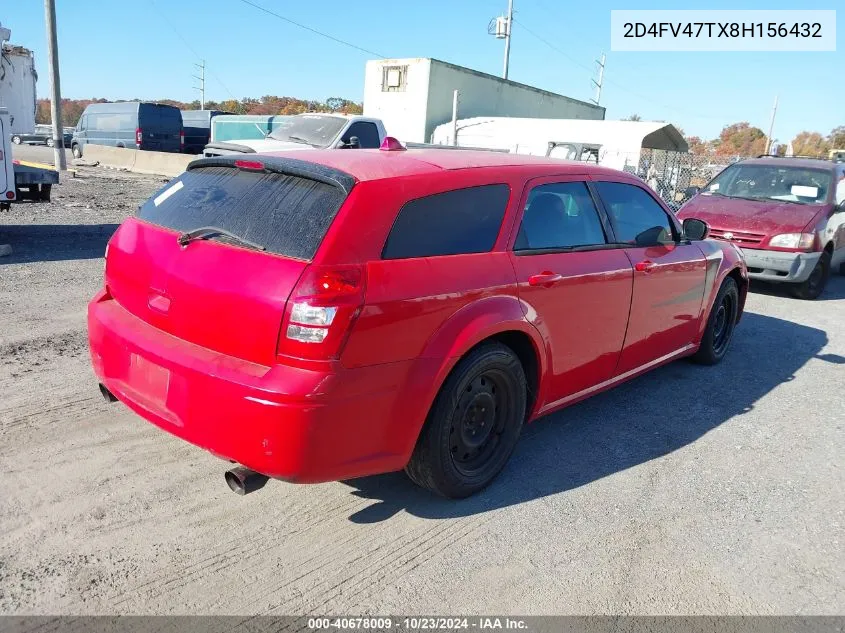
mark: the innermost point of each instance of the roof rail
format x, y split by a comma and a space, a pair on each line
458, 147
796, 156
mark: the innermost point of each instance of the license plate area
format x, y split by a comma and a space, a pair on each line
149, 379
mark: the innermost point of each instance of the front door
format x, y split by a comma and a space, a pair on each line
574, 285
669, 275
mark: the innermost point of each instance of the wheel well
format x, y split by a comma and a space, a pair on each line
829, 247
742, 286
522, 346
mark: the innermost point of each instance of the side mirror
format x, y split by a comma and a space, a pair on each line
695, 229
839, 208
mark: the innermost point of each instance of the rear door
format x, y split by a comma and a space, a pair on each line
669, 275
219, 293
577, 285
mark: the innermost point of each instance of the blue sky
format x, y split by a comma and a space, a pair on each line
145, 49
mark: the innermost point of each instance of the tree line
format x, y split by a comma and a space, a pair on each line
72, 108
744, 139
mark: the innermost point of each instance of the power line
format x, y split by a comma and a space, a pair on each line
315, 31
196, 54
613, 82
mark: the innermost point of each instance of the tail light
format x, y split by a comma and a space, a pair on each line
321, 311
138, 137
181, 139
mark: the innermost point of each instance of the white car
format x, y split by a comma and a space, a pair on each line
309, 131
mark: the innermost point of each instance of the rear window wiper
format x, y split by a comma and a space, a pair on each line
205, 232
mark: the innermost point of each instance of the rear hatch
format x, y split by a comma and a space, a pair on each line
216, 290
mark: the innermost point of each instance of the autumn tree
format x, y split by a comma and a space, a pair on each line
836, 139
810, 144
741, 139
697, 145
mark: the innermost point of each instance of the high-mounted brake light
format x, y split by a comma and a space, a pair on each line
390, 144
249, 164
321, 311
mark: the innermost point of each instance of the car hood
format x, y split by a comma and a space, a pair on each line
767, 217
272, 145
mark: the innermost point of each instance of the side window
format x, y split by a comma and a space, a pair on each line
559, 215
840, 187
367, 134
636, 217
449, 223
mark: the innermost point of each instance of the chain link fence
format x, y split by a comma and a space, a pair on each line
676, 176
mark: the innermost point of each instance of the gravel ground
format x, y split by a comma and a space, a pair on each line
691, 490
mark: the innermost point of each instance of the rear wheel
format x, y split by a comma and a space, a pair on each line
16, 140
474, 424
44, 192
50, 142
815, 283
76, 150
720, 325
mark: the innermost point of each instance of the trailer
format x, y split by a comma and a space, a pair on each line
19, 180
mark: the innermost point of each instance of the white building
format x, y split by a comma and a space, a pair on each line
413, 96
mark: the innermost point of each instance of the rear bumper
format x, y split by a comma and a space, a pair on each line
779, 266
286, 422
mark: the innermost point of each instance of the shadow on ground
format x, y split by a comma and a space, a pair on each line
639, 421
54, 242
834, 290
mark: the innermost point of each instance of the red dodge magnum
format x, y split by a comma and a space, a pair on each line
353, 313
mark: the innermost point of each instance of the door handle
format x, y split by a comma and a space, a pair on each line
545, 278
644, 266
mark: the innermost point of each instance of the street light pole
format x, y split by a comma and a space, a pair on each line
55, 85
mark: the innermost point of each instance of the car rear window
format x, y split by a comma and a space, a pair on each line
288, 215
449, 223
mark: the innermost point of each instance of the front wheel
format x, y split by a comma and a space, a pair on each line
474, 424
815, 283
76, 150
16, 140
50, 142
720, 325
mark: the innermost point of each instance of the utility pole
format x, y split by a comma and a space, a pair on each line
201, 87
55, 85
598, 83
455, 117
771, 126
508, 39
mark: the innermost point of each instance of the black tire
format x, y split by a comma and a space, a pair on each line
16, 140
815, 283
49, 142
842, 269
473, 425
44, 193
720, 325
76, 150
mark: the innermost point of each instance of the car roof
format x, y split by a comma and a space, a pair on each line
812, 163
374, 164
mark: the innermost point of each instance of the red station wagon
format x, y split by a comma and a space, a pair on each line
364, 312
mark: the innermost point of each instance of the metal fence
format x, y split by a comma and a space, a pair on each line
676, 176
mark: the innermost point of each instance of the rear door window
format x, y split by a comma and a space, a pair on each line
559, 215
449, 223
287, 215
